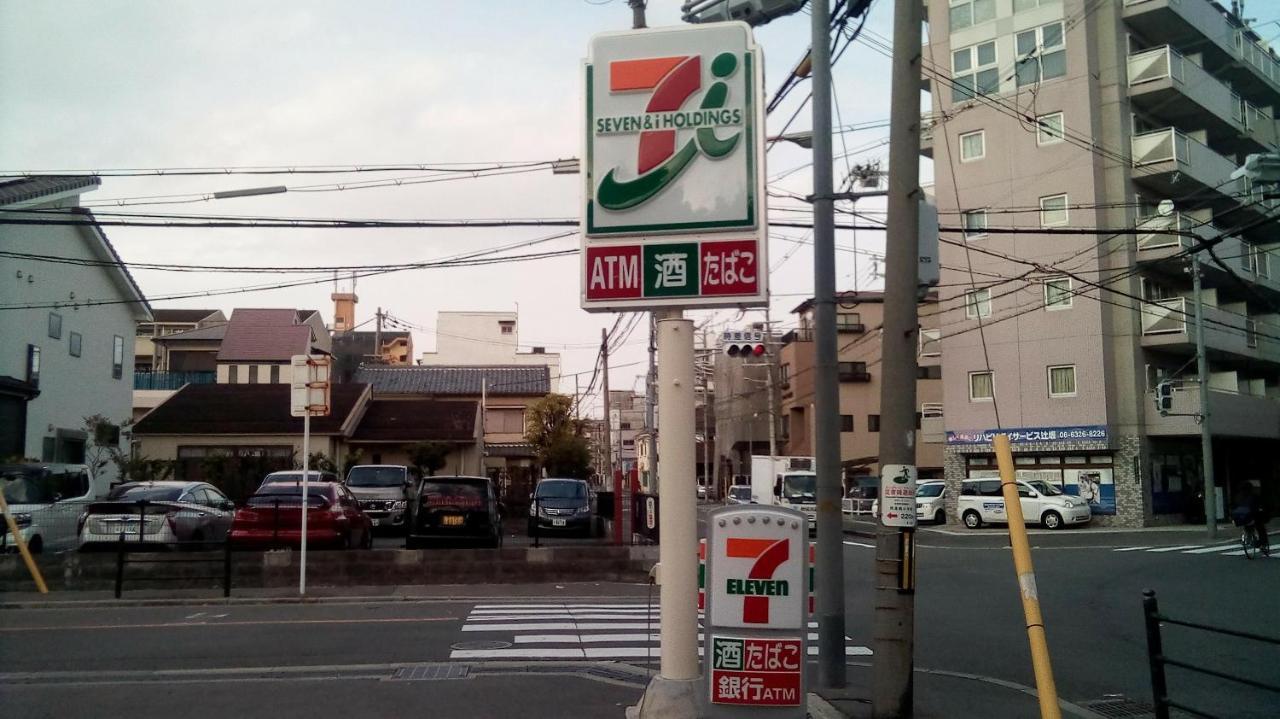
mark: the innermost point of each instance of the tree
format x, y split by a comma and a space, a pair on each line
428, 457
558, 438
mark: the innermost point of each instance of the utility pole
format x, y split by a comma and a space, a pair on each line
770, 368
1206, 438
830, 549
637, 14
893, 624
706, 419
377, 335
608, 439
650, 399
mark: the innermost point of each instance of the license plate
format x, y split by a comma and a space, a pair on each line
452, 521
375, 521
557, 522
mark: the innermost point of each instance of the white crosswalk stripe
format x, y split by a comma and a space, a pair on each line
1230, 549
575, 631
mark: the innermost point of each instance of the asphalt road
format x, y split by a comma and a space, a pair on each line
346, 659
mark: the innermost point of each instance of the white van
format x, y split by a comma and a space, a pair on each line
46, 501
1042, 503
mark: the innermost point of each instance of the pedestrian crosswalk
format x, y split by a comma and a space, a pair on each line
1224, 549
626, 631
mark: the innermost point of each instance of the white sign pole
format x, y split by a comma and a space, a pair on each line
306, 465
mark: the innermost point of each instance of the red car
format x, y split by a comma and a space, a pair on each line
272, 518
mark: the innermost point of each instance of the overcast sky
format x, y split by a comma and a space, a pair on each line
111, 84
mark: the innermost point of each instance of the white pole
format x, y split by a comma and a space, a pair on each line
678, 548
306, 466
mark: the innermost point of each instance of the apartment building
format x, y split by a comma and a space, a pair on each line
486, 338
859, 316
1078, 144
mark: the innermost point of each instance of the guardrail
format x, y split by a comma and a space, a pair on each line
1158, 661
124, 559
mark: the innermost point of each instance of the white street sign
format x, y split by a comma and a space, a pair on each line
309, 385
898, 495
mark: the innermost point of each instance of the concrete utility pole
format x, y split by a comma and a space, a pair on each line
608, 439
650, 399
893, 625
377, 335
830, 550
706, 420
1206, 438
637, 14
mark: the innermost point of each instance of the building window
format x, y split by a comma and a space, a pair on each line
853, 372
624, 425
507, 327
849, 322
1050, 129
275, 374
973, 146
233, 374
74, 343
929, 372
974, 72
253, 374
117, 357
975, 224
55, 326
1057, 293
846, 423
930, 343
1053, 210
33, 365
1041, 54
1020, 5
981, 386
628, 443
971, 12
977, 303
873, 423
785, 372
1062, 381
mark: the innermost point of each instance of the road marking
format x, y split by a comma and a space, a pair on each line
612, 610
859, 544
1174, 549
557, 617
479, 607
1219, 548
1237, 553
255, 623
1132, 549
539, 653
522, 627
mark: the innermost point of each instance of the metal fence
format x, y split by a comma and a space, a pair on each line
1158, 660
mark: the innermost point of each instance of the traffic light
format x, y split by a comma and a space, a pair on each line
744, 343
1164, 396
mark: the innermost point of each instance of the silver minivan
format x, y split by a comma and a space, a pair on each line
981, 501
46, 501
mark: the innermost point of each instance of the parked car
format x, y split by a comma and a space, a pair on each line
272, 517
702, 492
930, 499
156, 515
739, 494
1042, 503
383, 491
295, 476
561, 505
45, 501
454, 508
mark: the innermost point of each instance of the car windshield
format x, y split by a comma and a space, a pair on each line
929, 490
26, 485
804, 486
1045, 488
139, 492
740, 492
467, 495
376, 477
561, 490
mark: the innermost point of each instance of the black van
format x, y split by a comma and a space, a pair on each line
454, 508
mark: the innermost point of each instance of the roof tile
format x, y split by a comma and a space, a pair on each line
457, 380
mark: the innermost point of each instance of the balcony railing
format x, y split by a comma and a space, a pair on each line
1161, 146
1164, 316
1155, 64
1254, 54
1164, 231
171, 380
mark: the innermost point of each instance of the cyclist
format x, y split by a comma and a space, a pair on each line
1251, 512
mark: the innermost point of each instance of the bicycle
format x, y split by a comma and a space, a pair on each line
1253, 543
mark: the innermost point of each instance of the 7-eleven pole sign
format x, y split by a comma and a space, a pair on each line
673, 211
757, 574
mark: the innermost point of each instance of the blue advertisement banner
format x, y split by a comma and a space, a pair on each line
1029, 435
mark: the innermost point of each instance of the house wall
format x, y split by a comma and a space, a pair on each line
166, 446
71, 388
242, 373
476, 338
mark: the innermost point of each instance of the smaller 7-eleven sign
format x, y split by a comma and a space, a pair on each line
757, 582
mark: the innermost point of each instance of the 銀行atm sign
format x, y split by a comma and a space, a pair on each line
674, 211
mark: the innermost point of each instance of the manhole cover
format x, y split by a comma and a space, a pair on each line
481, 645
430, 672
1121, 708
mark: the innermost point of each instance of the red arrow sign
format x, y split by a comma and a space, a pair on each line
891, 515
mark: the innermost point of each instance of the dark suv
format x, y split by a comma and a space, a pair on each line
561, 505
454, 508
384, 491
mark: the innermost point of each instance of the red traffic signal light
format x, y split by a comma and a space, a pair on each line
758, 350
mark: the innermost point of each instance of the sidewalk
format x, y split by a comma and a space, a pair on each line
942, 695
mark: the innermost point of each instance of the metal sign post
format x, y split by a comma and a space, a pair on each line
757, 611
309, 395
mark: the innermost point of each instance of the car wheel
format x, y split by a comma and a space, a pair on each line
532, 529
972, 519
940, 517
346, 541
368, 539
36, 545
1052, 520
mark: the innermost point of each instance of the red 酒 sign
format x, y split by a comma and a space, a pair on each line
756, 672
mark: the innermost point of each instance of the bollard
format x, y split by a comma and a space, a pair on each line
1155, 654
120, 565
